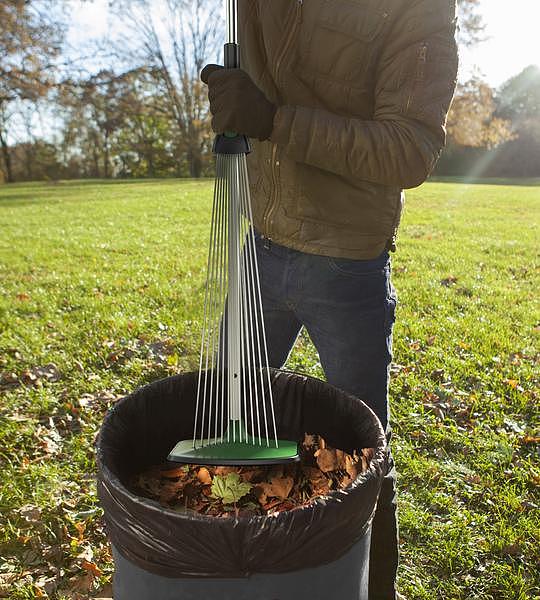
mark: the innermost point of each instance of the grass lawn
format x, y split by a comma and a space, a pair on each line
101, 291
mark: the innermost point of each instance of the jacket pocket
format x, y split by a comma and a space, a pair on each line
336, 36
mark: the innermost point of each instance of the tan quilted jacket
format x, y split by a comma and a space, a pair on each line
363, 89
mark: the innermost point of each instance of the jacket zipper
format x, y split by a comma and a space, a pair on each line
273, 203
421, 61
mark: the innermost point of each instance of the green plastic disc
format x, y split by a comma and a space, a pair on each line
252, 451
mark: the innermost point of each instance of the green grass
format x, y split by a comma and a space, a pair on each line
105, 281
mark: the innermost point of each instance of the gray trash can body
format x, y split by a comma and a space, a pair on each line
316, 551
345, 578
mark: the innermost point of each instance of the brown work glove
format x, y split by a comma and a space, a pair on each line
237, 104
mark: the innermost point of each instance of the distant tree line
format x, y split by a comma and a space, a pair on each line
495, 133
146, 115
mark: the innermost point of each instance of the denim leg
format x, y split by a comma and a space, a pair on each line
347, 306
280, 323
348, 309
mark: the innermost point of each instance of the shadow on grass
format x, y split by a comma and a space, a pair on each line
25, 193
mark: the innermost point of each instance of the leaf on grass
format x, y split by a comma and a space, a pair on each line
9, 380
36, 375
449, 281
80, 586
512, 549
106, 593
30, 513
45, 586
91, 567
102, 399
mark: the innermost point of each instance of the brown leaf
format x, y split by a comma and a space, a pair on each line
320, 484
309, 441
106, 593
81, 528
203, 475
512, 549
9, 379
449, 281
282, 487
352, 469
174, 473
80, 586
249, 474
30, 513
277, 488
23, 297
327, 459
35, 375
226, 470
91, 567
171, 490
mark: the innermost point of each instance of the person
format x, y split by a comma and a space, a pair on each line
346, 104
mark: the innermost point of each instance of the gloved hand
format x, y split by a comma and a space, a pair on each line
237, 104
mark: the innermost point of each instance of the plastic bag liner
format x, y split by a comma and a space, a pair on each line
140, 430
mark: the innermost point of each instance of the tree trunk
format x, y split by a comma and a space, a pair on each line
96, 163
29, 159
150, 160
7, 159
106, 156
195, 163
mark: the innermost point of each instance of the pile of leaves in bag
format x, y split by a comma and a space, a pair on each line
250, 491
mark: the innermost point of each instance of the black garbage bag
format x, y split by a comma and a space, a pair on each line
140, 430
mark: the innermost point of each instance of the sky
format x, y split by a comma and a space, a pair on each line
512, 36
513, 40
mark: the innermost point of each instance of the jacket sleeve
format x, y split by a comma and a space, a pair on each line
415, 82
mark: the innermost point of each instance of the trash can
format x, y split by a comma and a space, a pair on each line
316, 551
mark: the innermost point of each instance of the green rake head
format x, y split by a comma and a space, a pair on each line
233, 452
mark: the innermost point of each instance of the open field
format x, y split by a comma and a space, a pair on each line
101, 291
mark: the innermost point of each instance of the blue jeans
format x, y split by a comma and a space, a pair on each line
347, 307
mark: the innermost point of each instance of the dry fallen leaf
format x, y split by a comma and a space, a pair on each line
203, 475
277, 488
30, 513
91, 567
327, 460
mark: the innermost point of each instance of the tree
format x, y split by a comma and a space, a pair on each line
29, 41
519, 98
176, 38
472, 121
144, 146
471, 24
